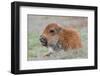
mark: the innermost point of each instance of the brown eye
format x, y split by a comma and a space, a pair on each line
52, 31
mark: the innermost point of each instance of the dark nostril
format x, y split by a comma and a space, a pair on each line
42, 39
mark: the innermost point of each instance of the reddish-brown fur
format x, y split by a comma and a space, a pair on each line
67, 37
70, 38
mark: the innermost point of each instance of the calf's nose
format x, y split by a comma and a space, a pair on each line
43, 39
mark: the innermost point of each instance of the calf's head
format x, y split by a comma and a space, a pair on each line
50, 35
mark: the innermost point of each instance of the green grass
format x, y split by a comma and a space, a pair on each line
36, 50
34, 46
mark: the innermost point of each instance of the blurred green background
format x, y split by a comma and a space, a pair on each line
36, 23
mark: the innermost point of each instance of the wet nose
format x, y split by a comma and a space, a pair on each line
43, 39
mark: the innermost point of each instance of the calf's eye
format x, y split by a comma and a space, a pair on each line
52, 31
